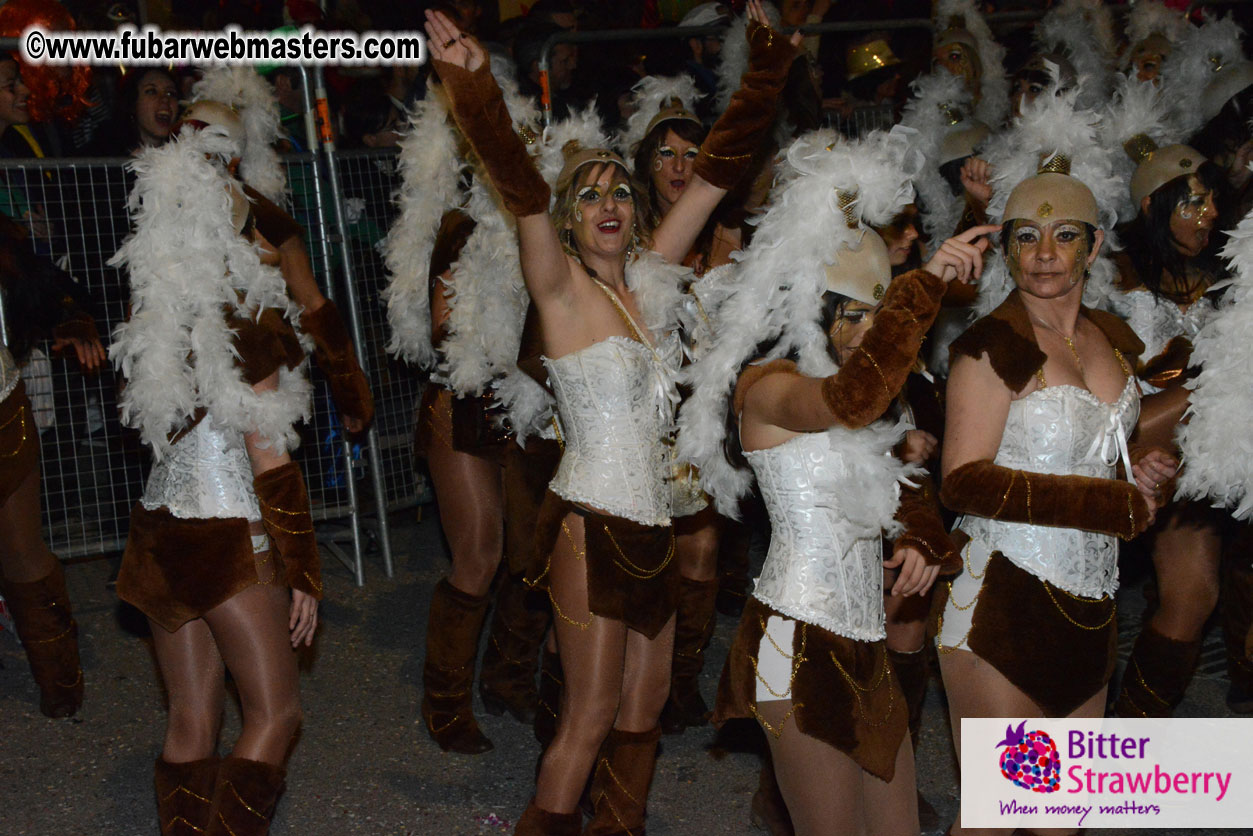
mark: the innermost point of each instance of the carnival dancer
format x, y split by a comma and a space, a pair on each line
1040, 401
221, 555
813, 349
965, 47
457, 304
607, 310
1152, 28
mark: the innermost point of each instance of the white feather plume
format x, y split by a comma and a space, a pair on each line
1138, 108
1083, 31
430, 172
649, 95
783, 278
867, 477
735, 55
583, 127
993, 106
1215, 441
1192, 64
1153, 17
240, 87
937, 96
187, 265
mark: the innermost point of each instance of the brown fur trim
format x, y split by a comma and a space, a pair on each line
726, 155
876, 370
338, 361
985, 489
264, 344
1028, 631
274, 224
1118, 332
919, 512
752, 374
620, 782
539, 822
632, 575
244, 798
19, 441
480, 111
175, 570
288, 519
184, 794
1170, 366
454, 230
1157, 675
79, 326
45, 623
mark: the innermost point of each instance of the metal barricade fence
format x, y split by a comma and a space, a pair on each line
93, 469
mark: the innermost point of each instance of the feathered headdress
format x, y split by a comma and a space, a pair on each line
830, 190
1217, 454
1149, 18
655, 99
735, 55
993, 104
241, 88
939, 107
1052, 128
1083, 31
1201, 61
187, 264
1137, 121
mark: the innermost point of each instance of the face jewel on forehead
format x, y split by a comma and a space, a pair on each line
1045, 210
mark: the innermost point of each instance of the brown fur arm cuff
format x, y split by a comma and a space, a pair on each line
727, 152
919, 512
480, 111
288, 519
338, 361
1109, 506
79, 326
875, 372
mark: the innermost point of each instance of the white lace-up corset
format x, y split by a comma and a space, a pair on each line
205, 474
1062, 430
1157, 322
9, 374
816, 569
615, 403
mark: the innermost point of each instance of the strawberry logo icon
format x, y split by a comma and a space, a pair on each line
1030, 759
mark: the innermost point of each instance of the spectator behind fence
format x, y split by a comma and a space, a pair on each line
564, 59
706, 53
289, 90
370, 119
146, 112
18, 141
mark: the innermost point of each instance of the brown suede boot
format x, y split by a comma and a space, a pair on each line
537, 822
694, 626
452, 643
768, 811
49, 634
1157, 675
507, 677
551, 681
244, 797
620, 783
185, 794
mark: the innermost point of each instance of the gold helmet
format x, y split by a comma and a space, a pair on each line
1158, 166
1052, 195
865, 58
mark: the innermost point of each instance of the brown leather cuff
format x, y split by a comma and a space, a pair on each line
1108, 506
727, 152
288, 519
919, 512
80, 326
480, 111
338, 361
873, 375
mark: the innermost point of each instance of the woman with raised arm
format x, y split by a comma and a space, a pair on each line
813, 350
607, 299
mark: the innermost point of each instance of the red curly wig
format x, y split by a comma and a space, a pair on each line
59, 92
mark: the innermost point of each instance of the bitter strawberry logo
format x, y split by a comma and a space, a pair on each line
1030, 759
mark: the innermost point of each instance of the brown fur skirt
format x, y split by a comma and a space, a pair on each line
457, 424
844, 691
632, 576
527, 474
19, 441
1055, 647
175, 570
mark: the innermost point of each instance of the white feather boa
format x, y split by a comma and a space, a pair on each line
649, 95
1217, 448
187, 264
993, 104
864, 479
1153, 17
735, 55
1083, 31
936, 96
783, 278
1192, 63
242, 88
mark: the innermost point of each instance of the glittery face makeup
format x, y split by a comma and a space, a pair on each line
672, 167
603, 216
1046, 259
1193, 218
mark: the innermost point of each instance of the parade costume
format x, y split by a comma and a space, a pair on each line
964, 46
190, 546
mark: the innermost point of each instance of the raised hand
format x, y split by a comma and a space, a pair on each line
961, 257
449, 44
976, 177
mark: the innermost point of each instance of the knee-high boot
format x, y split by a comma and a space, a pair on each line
1237, 617
49, 634
244, 797
184, 795
1157, 675
911, 673
693, 628
551, 681
537, 822
620, 783
507, 677
452, 643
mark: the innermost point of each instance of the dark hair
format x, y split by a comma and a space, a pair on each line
642, 162
120, 135
1149, 243
366, 108
1229, 129
951, 171
528, 44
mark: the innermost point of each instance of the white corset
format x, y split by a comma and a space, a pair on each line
205, 474
615, 402
817, 569
9, 374
1157, 322
1062, 430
